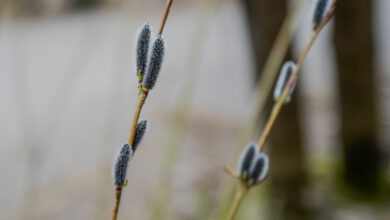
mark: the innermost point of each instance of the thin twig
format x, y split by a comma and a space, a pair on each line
240, 194
165, 16
232, 172
118, 194
141, 101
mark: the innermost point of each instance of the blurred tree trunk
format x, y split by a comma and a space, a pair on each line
359, 124
264, 18
85, 4
287, 173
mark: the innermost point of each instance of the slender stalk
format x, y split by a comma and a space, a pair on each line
240, 194
141, 101
118, 195
165, 16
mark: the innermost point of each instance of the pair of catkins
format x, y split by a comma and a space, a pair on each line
125, 154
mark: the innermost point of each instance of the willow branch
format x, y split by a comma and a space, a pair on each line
242, 191
142, 95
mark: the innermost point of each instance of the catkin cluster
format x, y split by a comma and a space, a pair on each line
125, 154
148, 64
148, 72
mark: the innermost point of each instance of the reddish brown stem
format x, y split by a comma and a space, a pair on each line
141, 101
165, 16
118, 194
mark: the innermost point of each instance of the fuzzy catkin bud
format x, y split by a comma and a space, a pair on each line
260, 168
142, 49
287, 69
155, 63
321, 8
120, 165
252, 165
246, 159
139, 133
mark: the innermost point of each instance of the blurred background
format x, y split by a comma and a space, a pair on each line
68, 88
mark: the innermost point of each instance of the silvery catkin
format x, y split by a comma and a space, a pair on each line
139, 133
120, 165
142, 49
155, 63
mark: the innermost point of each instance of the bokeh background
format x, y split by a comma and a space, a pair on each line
68, 89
